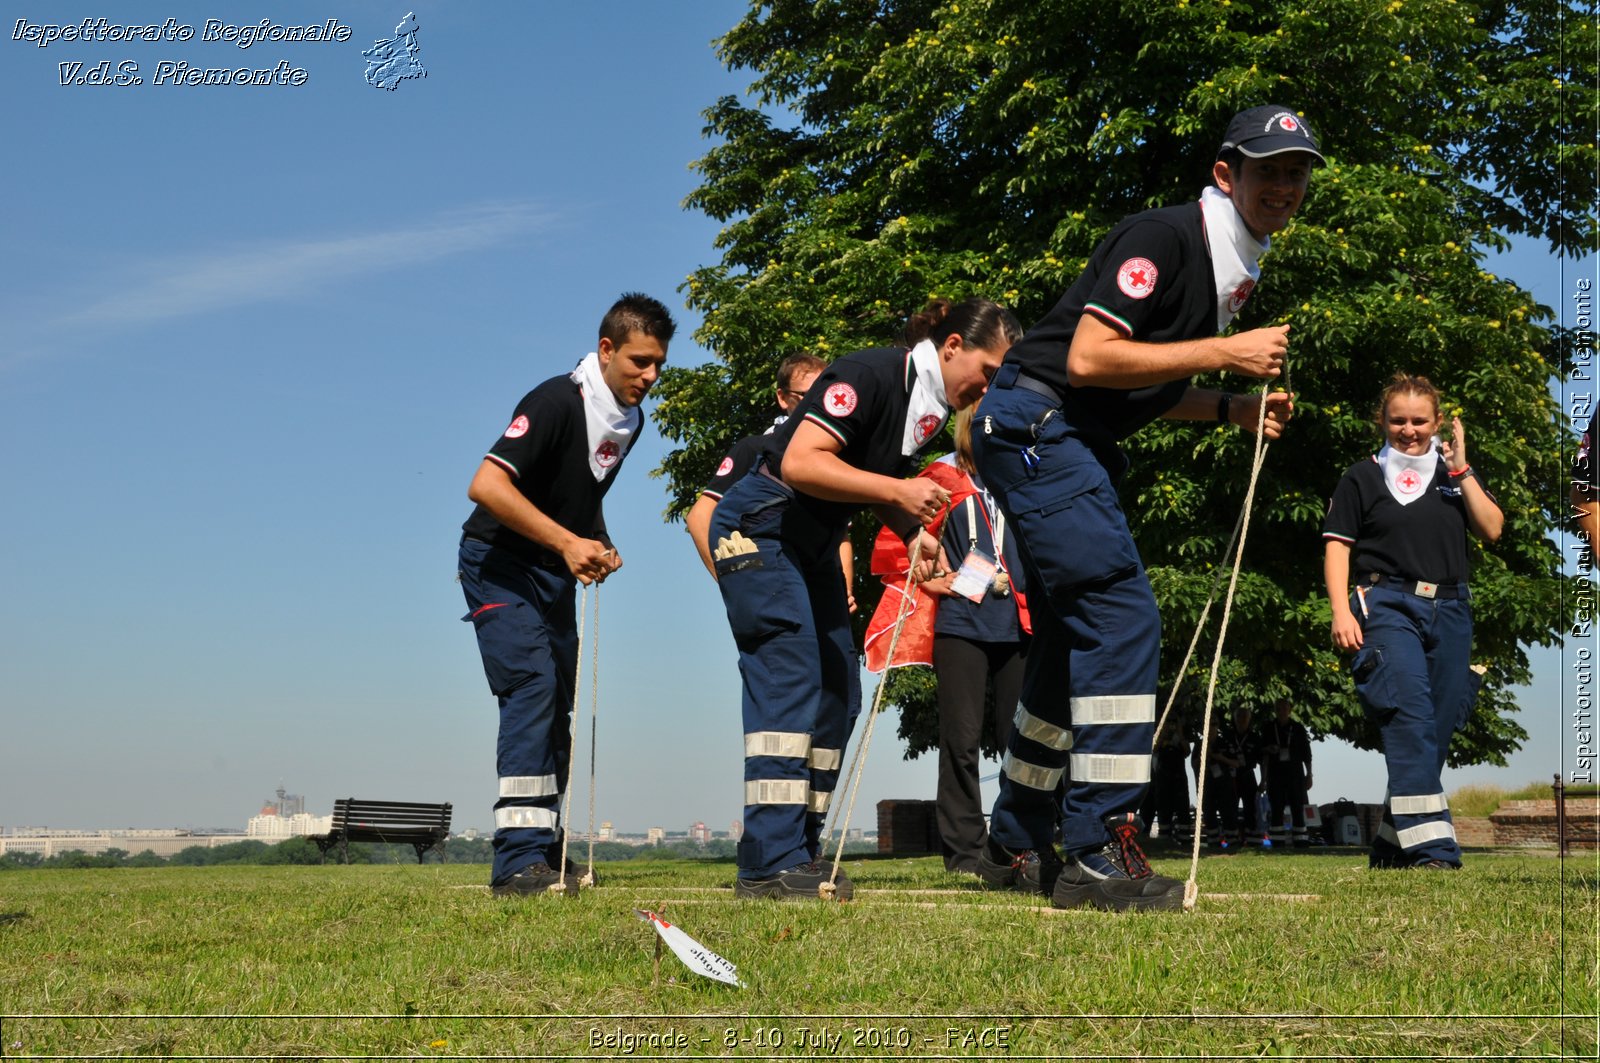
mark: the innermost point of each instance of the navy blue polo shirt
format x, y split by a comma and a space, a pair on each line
1426, 540
545, 449
861, 400
740, 459
1150, 279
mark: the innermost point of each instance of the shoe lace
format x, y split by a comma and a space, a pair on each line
1123, 850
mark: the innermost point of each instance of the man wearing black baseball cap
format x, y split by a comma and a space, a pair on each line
1115, 353
1266, 133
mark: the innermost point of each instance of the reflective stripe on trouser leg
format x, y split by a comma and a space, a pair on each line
1041, 731
1107, 711
531, 642
515, 817
1113, 682
1397, 690
1033, 776
776, 751
1029, 734
1418, 804
529, 786
1031, 771
765, 599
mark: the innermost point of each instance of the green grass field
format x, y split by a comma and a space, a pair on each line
1299, 956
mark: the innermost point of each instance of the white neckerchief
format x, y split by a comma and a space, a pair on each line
1408, 475
610, 427
1235, 254
928, 408
776, 422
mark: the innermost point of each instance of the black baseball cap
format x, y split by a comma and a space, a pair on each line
1269, 130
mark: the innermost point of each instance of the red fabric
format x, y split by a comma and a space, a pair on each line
891, 562
916, 634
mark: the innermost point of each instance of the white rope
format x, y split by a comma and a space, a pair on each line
594, 718
1200, 626
561, 885
1191, 887
827, 889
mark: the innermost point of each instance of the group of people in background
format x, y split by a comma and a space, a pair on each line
1257, 780
1044, 614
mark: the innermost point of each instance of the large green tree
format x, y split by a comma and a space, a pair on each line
898, 149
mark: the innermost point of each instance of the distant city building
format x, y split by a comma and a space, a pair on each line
276, 828
286, 818
47, 842
286, 805
606, 834
699, 833
654, 836
736, 829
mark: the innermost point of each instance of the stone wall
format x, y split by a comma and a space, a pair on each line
1533, 823
1475, 832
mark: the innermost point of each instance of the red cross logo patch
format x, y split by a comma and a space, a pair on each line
1137, 278
839, 400
607, 453
926, 427
518, 428
1240, 294
726, 467
1409, 482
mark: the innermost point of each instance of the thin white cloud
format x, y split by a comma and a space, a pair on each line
211, 280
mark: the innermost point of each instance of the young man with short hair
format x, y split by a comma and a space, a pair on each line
538, 531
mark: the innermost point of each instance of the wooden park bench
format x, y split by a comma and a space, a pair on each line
421, 826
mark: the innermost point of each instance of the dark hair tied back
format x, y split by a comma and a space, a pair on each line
979, 322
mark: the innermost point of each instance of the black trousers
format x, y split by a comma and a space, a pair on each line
1167, 800
1286, 785
966, 671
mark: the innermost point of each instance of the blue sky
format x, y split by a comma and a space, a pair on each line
253, 343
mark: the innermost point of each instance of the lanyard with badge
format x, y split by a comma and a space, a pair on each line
981, 574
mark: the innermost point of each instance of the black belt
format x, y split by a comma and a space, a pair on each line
1421, 588
1038, 387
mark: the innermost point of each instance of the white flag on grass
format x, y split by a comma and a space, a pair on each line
694, 955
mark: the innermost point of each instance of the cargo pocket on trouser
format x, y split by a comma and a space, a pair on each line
761, 589
1374, 684
759, 601
1069, 518
506, 640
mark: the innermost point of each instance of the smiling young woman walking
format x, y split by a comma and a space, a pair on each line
1398, 524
